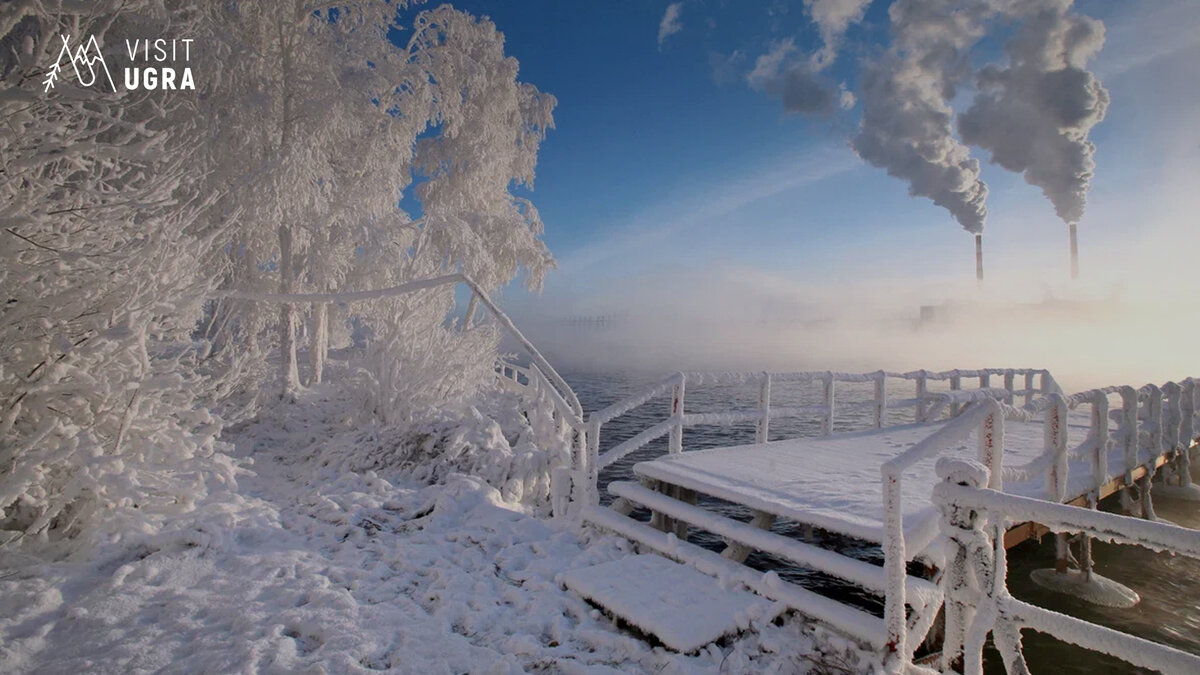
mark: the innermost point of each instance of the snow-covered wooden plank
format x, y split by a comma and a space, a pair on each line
679, 605
853, 623
856, 571
831, 482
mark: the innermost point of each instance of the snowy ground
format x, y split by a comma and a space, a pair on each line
321, 571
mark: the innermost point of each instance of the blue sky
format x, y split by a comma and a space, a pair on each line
662, 161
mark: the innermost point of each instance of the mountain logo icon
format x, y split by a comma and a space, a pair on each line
83, 61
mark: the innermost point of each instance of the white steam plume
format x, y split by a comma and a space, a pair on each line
1034, 115
907, 122
794, 82
798, 82
833, 17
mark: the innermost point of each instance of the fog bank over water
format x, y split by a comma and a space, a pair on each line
1133, 318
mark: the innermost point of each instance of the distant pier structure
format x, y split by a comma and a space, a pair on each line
594, 322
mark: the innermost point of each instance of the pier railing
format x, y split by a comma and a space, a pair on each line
557, 427
1149, 427
552, 407
1145, 425
986, 416
1024, 383
1130, 435
977, 599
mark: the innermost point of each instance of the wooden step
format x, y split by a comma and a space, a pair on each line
681, 606
920, 592
854, 623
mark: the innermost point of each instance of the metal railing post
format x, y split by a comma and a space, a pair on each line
1129, 428
829, 394
991, 444
880, 399
895, 569
677, 394
1154, 414
763, 429
1100, 436
1154, 418
1172, 409
1187, 432
955, 385
1054, 431
921, 386
591, 469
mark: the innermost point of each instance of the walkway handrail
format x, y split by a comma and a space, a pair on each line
563, 389
973, 519
1151, 422
928, 405
988, 417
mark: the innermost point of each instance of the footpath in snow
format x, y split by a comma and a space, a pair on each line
318, 570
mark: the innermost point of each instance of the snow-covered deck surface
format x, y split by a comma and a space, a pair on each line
834, 482
685, 608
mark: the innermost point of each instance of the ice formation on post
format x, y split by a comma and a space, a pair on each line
1087, 586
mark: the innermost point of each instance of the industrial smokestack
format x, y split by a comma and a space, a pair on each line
1074, 253
979, 258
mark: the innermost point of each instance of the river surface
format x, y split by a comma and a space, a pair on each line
1169, 585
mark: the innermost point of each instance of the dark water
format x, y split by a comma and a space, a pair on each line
1169, 585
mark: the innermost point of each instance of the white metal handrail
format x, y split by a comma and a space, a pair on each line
564, 390
554, 405
988, 417
1168, 424
974, 517
927, 405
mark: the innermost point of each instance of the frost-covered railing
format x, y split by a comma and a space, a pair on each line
1148, 422
563, 389
513, 377
1151, 422
558, 407
986, 416
1026, 383
974, 517
556, 428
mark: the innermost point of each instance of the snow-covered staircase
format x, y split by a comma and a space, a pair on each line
666, 533
682, 607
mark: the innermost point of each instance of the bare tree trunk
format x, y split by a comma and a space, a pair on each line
469, 317
289, 370
319, 342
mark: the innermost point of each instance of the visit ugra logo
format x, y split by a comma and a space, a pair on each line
88, 63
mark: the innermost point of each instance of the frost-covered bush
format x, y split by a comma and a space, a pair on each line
103, 221
414, 363
488, 437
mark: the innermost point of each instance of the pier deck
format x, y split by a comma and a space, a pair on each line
930, 492
834, 482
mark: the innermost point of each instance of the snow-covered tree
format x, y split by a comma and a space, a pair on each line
332, 121
125, 212
102, 223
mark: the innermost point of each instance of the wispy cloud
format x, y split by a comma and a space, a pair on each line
1136, 38
670, 23
708, 204
795, 83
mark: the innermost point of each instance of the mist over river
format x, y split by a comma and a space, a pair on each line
1169, 585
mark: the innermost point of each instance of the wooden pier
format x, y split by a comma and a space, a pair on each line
878, 485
